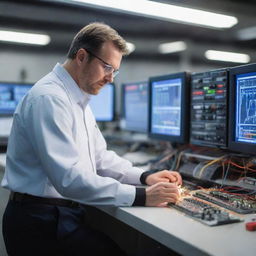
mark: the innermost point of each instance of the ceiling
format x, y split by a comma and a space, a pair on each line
62, 21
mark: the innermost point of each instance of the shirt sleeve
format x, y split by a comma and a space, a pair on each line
108, 163
50, 119
140, 198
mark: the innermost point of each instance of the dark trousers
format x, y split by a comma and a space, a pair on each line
47, 230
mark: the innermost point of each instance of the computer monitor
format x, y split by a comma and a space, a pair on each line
242, 109
103, 104
209, 108
135, 106
169, 107
10, 95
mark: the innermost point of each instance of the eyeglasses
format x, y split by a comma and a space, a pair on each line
107, 67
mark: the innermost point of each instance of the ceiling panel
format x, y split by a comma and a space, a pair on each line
62, 20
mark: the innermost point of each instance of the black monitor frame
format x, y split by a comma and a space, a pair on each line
113, 116
123, 116
242, 147
13, 84
185, 105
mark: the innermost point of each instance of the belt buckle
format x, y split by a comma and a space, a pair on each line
16, 196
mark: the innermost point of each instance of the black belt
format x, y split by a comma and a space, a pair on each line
20, 197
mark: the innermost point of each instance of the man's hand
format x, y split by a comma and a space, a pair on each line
164, 176
161, 193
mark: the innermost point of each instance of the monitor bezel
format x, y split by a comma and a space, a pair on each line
233, 145
13, 83
123, 104
113, 118
185, 107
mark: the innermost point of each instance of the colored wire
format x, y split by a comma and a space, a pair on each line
210, 163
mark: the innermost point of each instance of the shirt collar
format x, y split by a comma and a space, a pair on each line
76, 93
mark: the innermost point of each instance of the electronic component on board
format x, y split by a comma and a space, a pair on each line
204, 212
236, 203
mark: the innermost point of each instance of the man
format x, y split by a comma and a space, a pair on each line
57, 159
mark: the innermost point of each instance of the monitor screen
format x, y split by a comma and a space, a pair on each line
242, 125
169, 106
103, 104
135, 106
10, 95
209, 108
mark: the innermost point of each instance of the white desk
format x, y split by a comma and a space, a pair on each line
2, 160
5, 126
5, 129
186, 236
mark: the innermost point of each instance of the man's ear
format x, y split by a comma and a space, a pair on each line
81, 56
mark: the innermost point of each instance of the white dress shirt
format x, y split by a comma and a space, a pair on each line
55, 148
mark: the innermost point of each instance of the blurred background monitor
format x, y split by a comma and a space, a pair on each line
169, 107
242, 109
10, 95
103, 104
135, 106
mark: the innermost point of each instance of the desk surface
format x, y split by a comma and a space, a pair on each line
2, 160
184, 234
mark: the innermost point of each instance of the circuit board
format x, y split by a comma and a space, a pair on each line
237, 203
204, 212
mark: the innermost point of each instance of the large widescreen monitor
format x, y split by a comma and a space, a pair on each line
10, 95
169, 107
135, 106
242, 109
103, 104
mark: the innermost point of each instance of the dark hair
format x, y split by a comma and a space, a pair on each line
93, 36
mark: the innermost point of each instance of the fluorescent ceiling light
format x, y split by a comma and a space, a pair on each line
166, 12
247, 33
24, 38
172, 47
227, 56
130, 46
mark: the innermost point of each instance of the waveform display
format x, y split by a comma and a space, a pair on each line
166, 112
246, 108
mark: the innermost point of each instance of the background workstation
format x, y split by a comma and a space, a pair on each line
165, 230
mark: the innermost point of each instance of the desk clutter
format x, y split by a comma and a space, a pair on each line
219, 186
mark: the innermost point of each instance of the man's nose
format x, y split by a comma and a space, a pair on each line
109, 77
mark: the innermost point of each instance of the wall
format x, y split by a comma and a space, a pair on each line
36, 65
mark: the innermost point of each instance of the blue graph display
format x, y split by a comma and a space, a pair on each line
246, 108
166, 107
